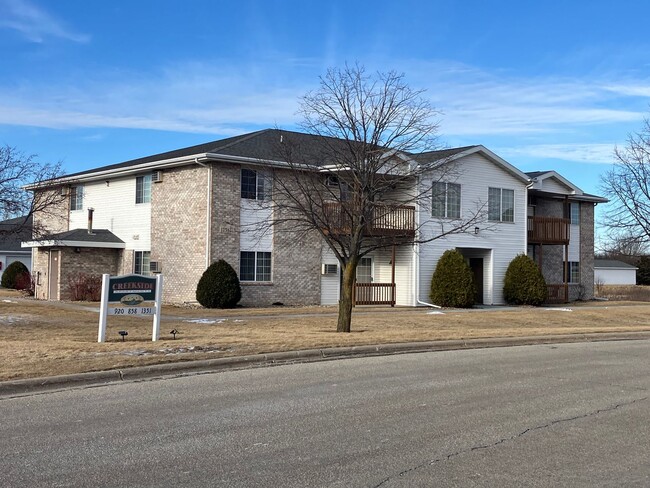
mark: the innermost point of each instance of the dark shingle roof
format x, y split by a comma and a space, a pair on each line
267, 144
82, 235
13, 232
611, 263
441, 154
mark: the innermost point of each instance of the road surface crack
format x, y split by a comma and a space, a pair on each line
513, 437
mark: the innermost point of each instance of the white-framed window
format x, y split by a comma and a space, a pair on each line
574, 209
254, 266
141, 261
574, 271
143, 189
364, 270
445, 200
255, 185
501, 205
77, 197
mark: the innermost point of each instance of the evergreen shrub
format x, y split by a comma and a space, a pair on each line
219, 286
524, 283
452, 284
15, 275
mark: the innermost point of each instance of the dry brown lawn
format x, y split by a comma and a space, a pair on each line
41, 338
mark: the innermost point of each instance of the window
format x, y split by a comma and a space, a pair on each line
575, 213
574, 271
143, 189
255, 185
141, 262
501, 205
255, 266
364, 270
446, 200
77, 198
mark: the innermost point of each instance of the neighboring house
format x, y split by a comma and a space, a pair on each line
613, 272
179, 211
12, 233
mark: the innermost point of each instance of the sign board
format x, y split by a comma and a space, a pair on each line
130, 295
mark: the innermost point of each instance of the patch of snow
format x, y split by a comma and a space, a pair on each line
435, 312
9, 301
205, 321
561, 309
237, 320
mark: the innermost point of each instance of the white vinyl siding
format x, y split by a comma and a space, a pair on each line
329, 284
116, 210
498, 244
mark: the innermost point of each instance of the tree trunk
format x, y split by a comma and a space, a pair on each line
345, 302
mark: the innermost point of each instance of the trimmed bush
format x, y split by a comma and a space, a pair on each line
452, 284
219, 286
15, 275
524, 283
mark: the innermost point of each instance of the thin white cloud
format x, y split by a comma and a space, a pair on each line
597, 153
219, 97
34, 23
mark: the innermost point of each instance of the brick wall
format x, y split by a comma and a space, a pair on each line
225, 214
587, 250
40, 259
51, 220
178, 230
89, 261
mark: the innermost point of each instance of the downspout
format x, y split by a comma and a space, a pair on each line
208, 223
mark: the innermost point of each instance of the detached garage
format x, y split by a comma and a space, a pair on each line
612, 272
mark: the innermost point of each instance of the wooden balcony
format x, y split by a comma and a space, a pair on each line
548, 230
374, 294
386, 221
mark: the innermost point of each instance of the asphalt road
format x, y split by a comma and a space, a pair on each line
565, 415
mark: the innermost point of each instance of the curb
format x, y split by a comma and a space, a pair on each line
32, 386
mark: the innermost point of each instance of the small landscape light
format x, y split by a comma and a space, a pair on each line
173, 332
123, 333
476, 230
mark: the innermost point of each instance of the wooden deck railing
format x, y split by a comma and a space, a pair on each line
386, 220
557, 294
548, 230
374, 294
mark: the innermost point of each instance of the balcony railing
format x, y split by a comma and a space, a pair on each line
557, 294
548, 230
374, 294
386, 220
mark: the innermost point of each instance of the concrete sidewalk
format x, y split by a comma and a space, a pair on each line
15, 388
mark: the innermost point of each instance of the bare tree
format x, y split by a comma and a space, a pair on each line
357, 180
627, 185
18, 171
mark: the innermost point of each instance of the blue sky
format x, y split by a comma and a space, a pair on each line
546, 85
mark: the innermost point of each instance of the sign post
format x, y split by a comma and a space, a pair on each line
130, 295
